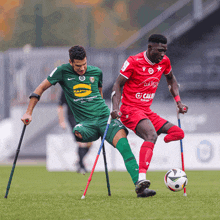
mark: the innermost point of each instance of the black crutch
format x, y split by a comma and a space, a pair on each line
106, 170
14, 164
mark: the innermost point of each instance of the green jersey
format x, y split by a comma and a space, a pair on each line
81, 92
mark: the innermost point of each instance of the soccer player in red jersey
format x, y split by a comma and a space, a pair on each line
139, 77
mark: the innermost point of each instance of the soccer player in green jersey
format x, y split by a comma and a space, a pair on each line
82, 86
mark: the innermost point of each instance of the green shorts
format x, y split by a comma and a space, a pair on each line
93, 130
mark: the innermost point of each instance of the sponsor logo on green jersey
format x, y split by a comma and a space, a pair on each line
82, 90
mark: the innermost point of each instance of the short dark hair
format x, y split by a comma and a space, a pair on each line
157, 38
77, 53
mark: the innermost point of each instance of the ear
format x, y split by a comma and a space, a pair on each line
70, 61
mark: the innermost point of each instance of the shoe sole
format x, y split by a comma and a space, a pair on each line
141, 186
148, 194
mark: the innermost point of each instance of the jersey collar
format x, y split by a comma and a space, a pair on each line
145, 56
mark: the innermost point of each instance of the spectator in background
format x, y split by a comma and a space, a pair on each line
83, 148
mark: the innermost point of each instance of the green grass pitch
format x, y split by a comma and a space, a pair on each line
36, 193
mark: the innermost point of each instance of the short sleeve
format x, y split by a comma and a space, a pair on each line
168, 66
127, 68
55, 76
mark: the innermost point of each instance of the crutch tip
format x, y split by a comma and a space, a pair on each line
184, 194
83, 197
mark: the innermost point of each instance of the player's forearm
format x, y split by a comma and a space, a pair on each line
27, 117
173, 85
116, 99
34, 98
33, 101
174, 89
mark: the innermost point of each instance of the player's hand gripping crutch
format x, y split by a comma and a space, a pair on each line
100, 148
15, 160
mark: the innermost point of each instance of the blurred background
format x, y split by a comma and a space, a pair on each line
35, 36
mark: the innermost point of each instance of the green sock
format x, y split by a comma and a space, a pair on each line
129, 159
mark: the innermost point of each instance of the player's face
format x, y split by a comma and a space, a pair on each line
156, 52
79, 66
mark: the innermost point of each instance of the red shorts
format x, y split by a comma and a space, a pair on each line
132, 115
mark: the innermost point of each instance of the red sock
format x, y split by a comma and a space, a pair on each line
173, 134
145, 155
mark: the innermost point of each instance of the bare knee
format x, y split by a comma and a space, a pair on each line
146, 130
120, 134
151, 137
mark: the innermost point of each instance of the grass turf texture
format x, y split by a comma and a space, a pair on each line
36, 193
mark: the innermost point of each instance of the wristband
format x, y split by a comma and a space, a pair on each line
177, 98
34, 95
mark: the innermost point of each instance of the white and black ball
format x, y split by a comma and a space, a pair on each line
175, 179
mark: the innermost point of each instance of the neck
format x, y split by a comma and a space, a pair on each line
148, 56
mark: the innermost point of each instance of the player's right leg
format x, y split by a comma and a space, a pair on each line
83, 149
85, 133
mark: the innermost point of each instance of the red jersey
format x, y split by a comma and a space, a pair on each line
143, 79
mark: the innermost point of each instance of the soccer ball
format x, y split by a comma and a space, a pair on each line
175, 179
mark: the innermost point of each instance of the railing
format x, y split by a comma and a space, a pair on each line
174, 21
153, 24
202, 73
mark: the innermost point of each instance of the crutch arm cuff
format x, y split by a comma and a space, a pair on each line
34, 95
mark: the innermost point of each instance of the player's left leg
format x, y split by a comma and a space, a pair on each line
174, 133
137, 120
120, 142
117, 136
146, 131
